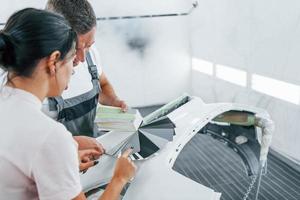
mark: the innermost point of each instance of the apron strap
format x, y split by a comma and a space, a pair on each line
56, 103
92, 67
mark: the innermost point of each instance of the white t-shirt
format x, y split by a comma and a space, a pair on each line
38, 156
80, 82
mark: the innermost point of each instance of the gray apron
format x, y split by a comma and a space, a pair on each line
78, 113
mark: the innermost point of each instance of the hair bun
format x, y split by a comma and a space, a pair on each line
2, 42
6, 50
2, 49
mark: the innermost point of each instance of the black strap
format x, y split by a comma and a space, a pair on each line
78, 110
92, 67
55, 103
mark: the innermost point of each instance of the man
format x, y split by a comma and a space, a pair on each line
76, 109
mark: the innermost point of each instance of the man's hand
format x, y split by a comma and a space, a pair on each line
121, 104
85, 142
87, 158
108, 96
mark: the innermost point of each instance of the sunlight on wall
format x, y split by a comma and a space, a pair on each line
269, 86
279, 89
203, 66
232, 75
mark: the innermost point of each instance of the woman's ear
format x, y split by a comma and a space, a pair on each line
52, 62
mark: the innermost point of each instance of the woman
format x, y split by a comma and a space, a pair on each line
38, 157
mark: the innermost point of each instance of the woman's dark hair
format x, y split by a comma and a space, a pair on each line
30, 35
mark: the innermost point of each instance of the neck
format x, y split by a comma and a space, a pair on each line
35, 87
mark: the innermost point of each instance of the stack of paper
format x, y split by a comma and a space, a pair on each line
113, 118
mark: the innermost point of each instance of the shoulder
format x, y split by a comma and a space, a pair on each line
59, 140
57, 131
56, 139
50, 128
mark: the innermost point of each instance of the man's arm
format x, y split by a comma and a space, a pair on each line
108, 95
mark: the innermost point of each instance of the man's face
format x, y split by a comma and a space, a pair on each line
84, 42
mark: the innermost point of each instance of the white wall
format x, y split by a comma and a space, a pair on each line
159, 70
258, 37
9, 7
155, 73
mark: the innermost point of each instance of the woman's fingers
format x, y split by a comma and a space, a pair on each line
127, 153
87, 158
86, 165
89, 152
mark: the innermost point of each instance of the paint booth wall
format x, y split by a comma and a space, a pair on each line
249, 52
146, 60
7, 8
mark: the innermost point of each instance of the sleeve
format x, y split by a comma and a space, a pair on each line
55, 167
96, 58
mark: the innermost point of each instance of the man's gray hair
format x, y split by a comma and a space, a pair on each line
79, 13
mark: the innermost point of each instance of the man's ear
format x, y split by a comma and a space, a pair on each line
52, 62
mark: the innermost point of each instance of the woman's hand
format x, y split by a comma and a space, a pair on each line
124, 172
125, 168
85, 142
87, 158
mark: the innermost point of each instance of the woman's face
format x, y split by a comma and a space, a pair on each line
63, 72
